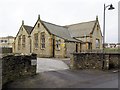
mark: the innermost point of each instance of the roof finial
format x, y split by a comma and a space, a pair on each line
97, 18
22, 22
39, 17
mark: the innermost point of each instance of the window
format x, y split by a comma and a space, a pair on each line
38, 25
5, 41
97, 27
36, 40
42, 40
23, 41
58, 44
97, 43
1, 41
19, 42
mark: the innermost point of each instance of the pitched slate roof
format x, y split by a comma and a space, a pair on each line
81, 29
59, 31
28, 29
9, 37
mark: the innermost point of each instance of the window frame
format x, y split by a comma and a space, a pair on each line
19, 42
23, 41
42, 38
57, 44
97, 42
38, 25
36, 40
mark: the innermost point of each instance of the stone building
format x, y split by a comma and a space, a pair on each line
22, 42
6, 44
88, 32
6, 41
50, 40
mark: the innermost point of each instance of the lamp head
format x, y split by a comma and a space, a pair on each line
111, 7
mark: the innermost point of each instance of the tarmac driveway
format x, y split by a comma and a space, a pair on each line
54, 73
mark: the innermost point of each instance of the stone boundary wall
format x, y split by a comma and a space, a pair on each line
102, 61
15, 67
6, 50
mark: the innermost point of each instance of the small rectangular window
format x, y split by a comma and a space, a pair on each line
58, 42
5, 41
1, 41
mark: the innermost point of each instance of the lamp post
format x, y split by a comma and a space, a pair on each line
110, 8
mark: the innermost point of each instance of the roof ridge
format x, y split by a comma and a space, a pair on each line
68, 35
53, 24
80, 23
28, 28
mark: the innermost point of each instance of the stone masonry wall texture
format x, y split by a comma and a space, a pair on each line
95, 60
15, 67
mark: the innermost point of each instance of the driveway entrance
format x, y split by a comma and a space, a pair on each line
50, 64
54, 73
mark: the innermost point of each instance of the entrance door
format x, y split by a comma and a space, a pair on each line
76, 47
90, 46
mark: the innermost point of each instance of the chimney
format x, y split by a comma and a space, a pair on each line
38, 17
96, 18
22, 22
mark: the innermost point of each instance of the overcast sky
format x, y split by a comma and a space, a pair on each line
60, 12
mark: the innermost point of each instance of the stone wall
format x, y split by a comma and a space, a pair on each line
6, 50
95, 61
15, 67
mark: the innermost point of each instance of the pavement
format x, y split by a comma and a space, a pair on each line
54, 73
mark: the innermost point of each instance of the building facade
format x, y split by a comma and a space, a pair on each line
6, 41
6, 44
50, 40
22, 40
88, 32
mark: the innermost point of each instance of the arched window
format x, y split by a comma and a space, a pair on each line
42, 40
19, 42
23, 41
36, 40
38, 25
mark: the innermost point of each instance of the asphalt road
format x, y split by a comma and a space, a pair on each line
69, 79
63, 77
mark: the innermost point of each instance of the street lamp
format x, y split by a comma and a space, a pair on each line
110, 8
